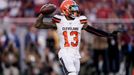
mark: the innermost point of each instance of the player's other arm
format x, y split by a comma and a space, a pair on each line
90, 29
95, 31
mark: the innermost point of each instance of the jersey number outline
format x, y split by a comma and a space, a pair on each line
75, 38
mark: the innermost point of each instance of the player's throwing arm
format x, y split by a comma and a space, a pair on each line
46, 9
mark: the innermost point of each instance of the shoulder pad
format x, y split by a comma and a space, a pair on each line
83, 17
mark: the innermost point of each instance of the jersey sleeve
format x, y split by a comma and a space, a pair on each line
83, 20
56, 19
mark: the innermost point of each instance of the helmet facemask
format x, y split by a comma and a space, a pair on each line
73, 11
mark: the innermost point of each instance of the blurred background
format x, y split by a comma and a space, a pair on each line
24, 50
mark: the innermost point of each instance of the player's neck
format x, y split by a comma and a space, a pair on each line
69, 18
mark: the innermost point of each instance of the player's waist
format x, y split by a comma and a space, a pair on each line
69, 52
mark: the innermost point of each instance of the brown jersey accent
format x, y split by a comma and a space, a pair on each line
84, 21
56, 20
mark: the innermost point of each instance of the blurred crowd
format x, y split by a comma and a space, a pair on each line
38, 59
92, 8
24, 50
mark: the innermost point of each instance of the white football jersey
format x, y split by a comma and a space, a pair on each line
69, 32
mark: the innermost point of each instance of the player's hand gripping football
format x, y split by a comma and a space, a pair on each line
47, 9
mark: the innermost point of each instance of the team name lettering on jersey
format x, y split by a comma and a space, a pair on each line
70, 28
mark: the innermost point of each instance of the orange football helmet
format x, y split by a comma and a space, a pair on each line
68, 7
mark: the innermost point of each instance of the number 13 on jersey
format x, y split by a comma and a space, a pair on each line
75, 38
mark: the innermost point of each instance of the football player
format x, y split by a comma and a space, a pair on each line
69, 25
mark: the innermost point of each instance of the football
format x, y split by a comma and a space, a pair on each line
47, 9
